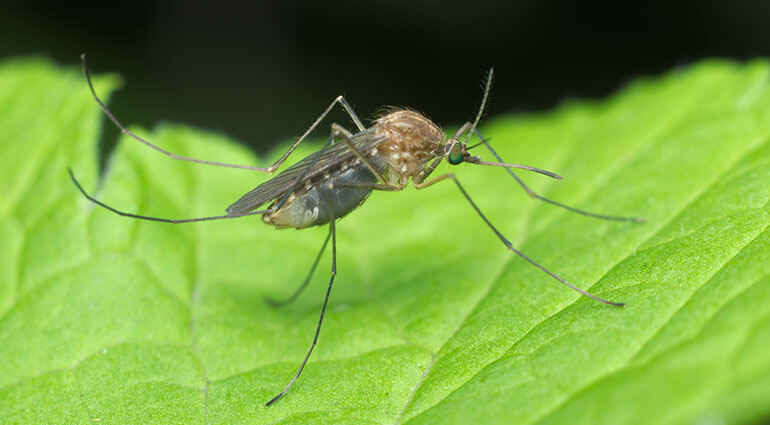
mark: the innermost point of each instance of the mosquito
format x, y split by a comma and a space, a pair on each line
401, 146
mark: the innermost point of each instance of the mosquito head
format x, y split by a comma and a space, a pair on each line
457, 152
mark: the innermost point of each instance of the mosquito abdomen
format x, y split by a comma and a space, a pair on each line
311, 205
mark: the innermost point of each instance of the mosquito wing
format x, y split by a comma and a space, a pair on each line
315, 164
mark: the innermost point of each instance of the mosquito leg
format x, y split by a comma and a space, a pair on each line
345, 105
127, 132
271, 169
280, 303
505, 241
163, 220
332, 232
337, 130
534, 195
341, 131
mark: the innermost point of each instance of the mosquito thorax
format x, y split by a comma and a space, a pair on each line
411, 141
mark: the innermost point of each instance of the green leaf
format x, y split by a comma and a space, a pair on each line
431, 320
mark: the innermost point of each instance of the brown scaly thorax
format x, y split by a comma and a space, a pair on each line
411, 141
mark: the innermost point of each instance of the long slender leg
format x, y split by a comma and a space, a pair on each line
505, 241
271, 169
163, 220
231, 214
474, 129
362, 157
280, 303
333, 233
341, 131
534, 195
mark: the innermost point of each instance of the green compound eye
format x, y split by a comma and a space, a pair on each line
455, 155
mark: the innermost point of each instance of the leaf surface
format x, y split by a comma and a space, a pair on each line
431, 320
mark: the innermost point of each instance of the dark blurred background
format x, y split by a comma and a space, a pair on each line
262, 71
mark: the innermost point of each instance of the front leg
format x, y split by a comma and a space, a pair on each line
505, 241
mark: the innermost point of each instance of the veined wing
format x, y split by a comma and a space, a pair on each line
312, 165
